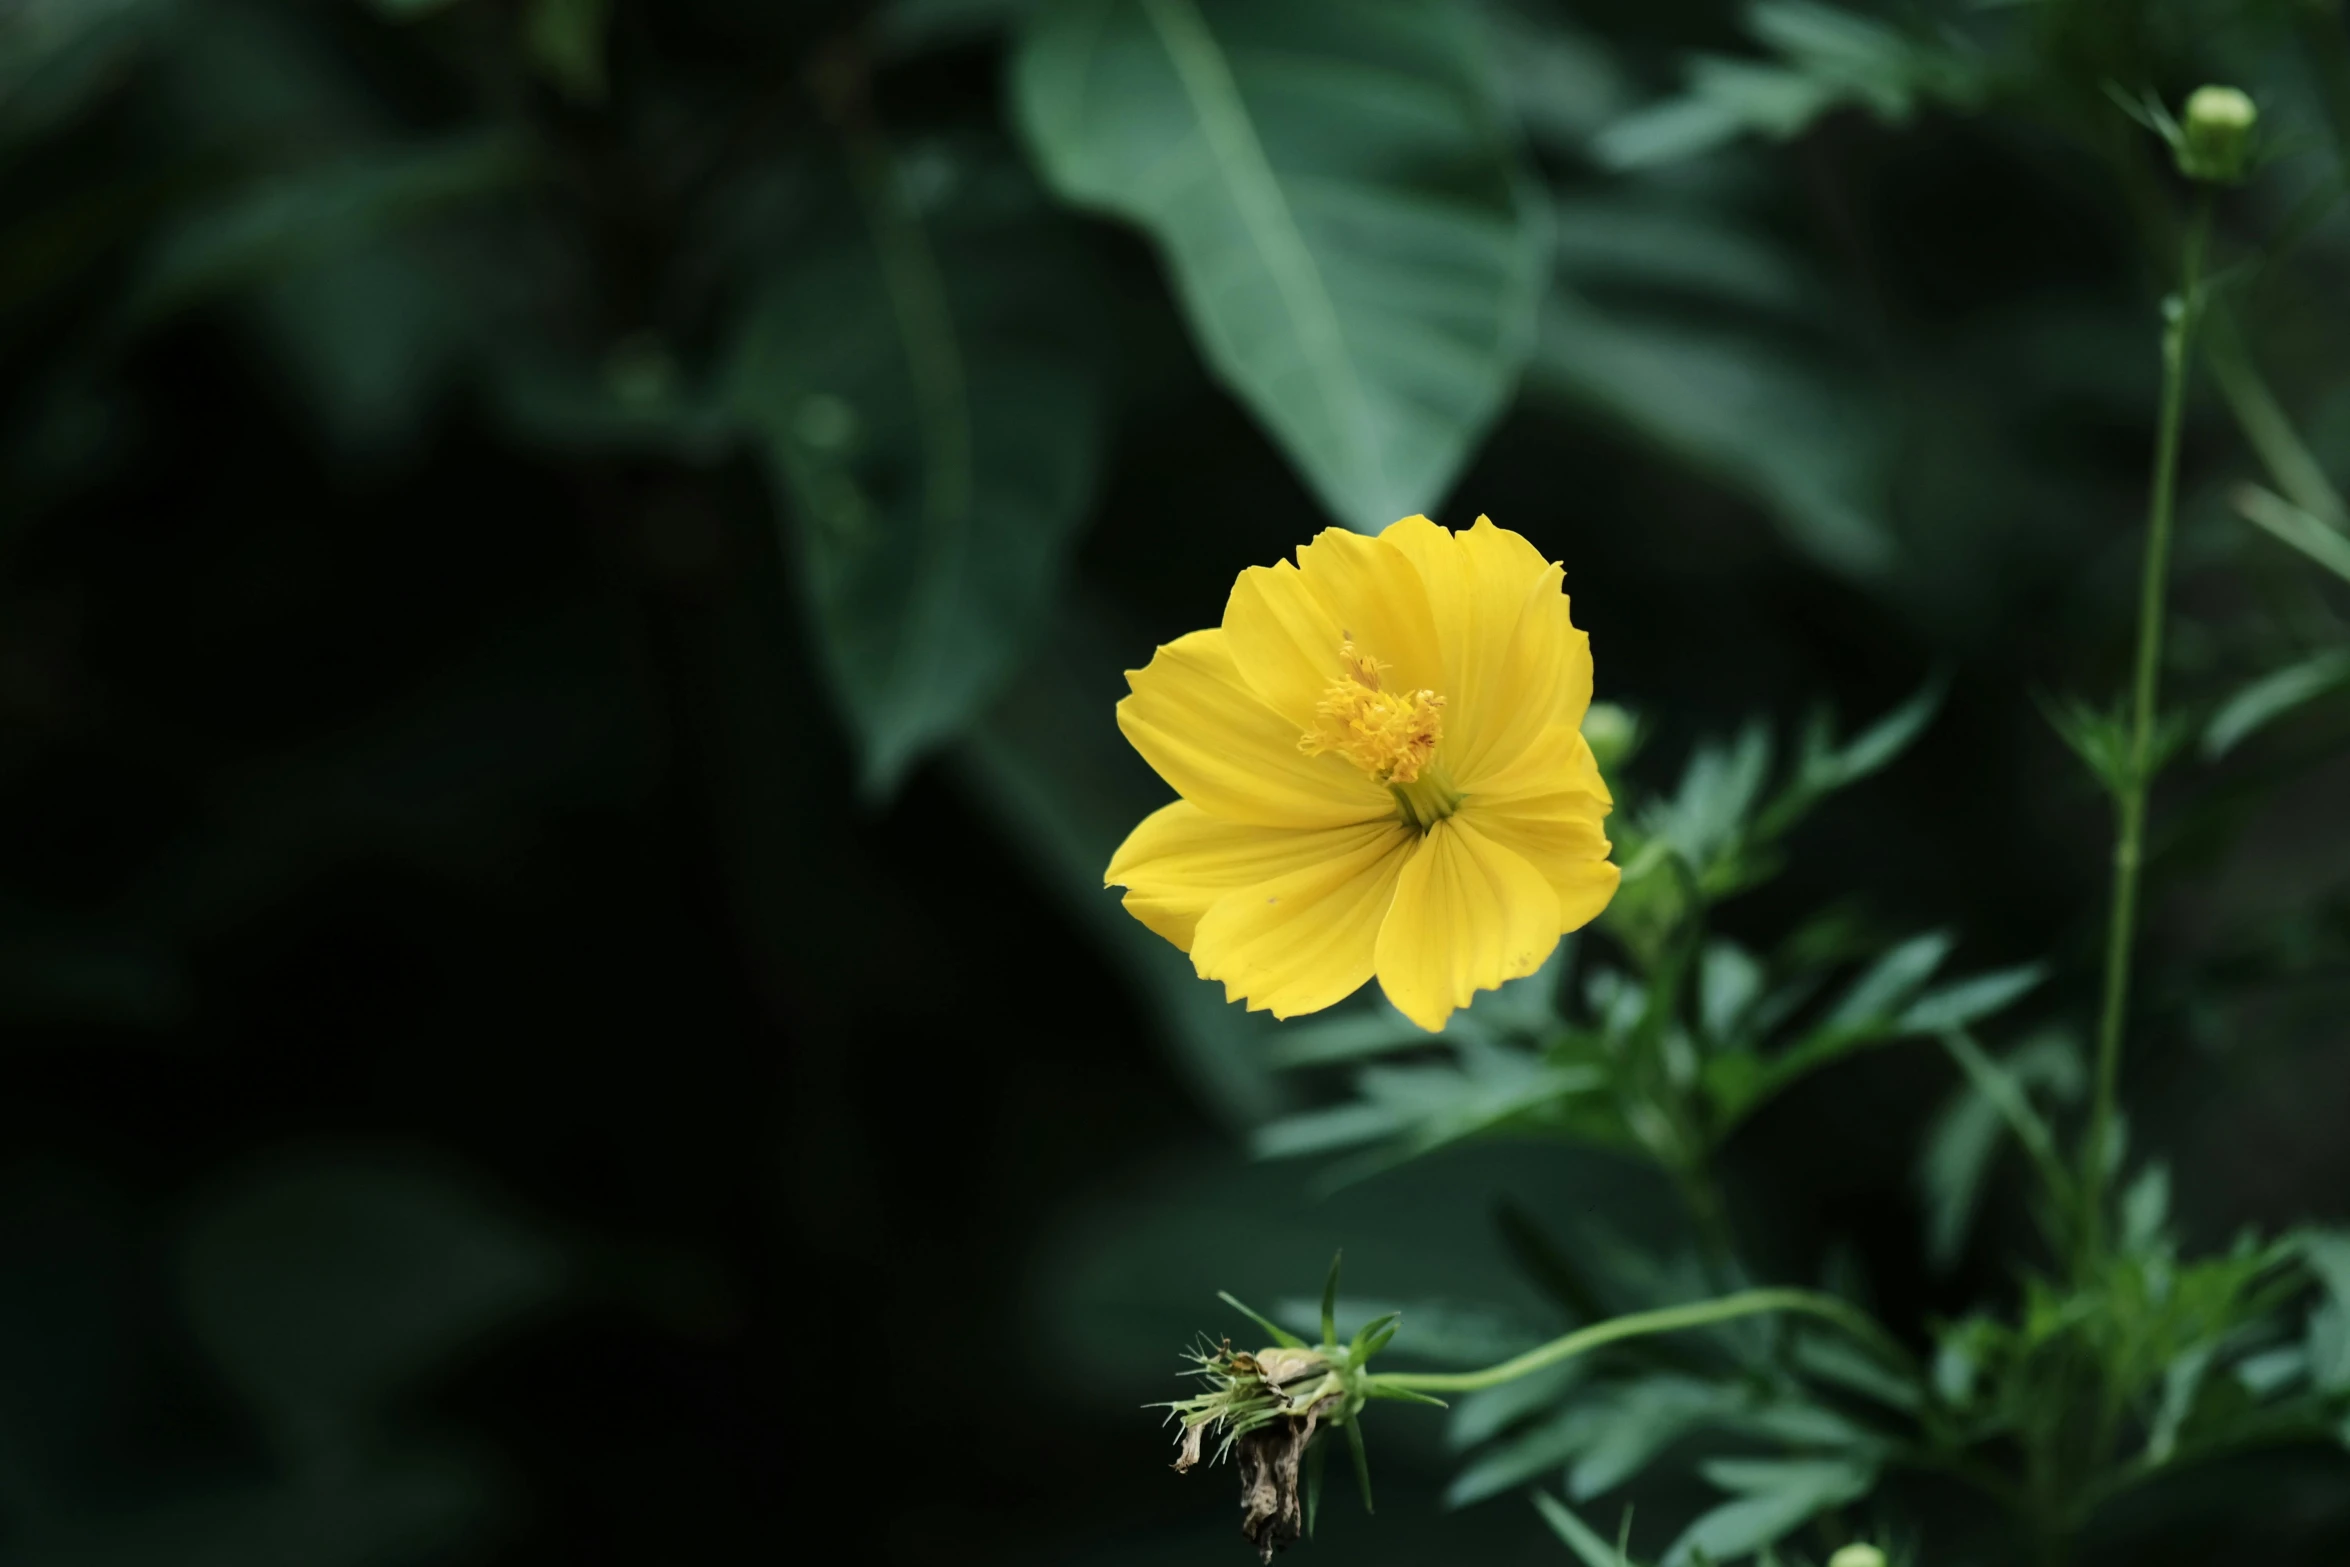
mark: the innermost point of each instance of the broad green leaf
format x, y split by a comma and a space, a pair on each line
56, 58
1066, 786
1562, 84
283, 223
1776, 1497
2322, 543
321, 1287
936, 430
1355, 244
565, 41
1812, 446
2272, 696
1611, 242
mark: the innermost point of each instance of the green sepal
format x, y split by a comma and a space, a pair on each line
1373, 1338
1362, 1458
1281, 1335
1315, 1453
1330, 1302
1404, 1394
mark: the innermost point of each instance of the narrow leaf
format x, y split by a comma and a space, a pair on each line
1578, 1535
1405, 1395
1970, 1000
1330, 1304
1362, 1458
1316, 1455
1372, 1337
1776, 1498
2272, 696
2290, 524
1280, 1335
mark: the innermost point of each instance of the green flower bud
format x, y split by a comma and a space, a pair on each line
1612, 732
1857, 1555
2215, 135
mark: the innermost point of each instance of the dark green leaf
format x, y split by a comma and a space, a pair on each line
298, 219
1066, 787
565, 42
1356, 247
1809, 444
936, 429
320, 1288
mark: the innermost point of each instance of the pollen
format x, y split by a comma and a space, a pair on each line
1388, 734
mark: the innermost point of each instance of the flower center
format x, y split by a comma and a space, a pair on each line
1391, 735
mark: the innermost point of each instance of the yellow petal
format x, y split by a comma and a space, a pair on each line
1514, 662
1303, 941
1203, 728
1558, 761
1180, 860
1468, 914
1561, 835
1286, 623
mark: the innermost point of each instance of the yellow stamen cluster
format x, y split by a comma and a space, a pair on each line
1388, 734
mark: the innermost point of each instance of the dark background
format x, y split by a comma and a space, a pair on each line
487, 1083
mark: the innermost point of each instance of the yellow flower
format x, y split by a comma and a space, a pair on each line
1382, 771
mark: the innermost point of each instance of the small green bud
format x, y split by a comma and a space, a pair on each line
1612, 733
2215, 135
1857, 1555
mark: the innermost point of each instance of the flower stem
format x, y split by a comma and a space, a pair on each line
2179, 313
1641, 1324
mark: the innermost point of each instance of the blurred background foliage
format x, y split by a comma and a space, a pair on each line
563, 568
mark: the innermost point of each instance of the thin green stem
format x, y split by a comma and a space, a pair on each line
1641, 1324
2179, 314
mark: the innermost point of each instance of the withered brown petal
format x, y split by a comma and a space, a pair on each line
1270, 1516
